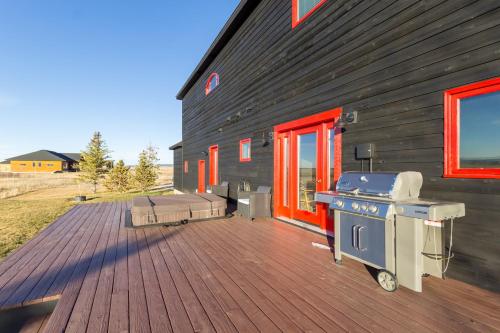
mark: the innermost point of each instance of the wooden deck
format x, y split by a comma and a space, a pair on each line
226, 275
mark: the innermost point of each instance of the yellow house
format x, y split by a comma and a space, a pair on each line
44, 161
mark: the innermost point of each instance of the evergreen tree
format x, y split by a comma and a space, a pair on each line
93, 163
147, 170
119, 178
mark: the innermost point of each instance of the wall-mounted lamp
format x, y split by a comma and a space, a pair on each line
347, 119
204, 153
265, 142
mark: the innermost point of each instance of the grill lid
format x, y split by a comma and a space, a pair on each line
389, 185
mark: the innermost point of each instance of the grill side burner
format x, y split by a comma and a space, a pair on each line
380, 222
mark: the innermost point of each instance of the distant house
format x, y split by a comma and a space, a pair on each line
44, 161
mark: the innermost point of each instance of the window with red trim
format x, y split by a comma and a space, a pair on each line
302, 9
212, 83
472, 130
186, 167
246, 150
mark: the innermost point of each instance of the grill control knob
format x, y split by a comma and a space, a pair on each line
364, 207
339, 203
373, 209
355, 206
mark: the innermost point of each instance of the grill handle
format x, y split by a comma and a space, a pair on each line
355, 238
360, 247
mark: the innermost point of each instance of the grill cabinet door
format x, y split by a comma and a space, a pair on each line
363, 238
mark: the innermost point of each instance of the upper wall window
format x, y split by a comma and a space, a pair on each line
302, 9
246, 150
212, 83
472, 130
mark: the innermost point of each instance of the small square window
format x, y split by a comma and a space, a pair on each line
472, 131
246, 150
302, 9
186, 166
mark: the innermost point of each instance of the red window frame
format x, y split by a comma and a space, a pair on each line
452, 99
243, 142
186, 166
295, 12
208, 88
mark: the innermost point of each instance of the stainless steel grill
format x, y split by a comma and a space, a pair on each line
380, 221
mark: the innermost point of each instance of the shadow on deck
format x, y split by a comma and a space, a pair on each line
223, 275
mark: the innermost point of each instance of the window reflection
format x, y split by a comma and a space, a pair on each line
480, 131
307, 171
305, 6
331, 169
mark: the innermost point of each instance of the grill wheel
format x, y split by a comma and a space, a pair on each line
387, 280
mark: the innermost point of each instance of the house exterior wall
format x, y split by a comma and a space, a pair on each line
389, 60
36, 166
178, 168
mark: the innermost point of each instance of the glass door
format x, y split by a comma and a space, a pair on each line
283, 193
307, 159
307, 173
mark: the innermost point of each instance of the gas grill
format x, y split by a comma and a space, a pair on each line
381, 222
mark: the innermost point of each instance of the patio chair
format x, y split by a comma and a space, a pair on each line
254, 204
221, 190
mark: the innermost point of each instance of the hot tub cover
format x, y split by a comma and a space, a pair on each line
172, 209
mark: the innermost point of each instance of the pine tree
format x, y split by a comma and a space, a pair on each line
147, 170
119, 178
93, 163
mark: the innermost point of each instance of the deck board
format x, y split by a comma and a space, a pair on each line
365, 285
99, 316
44, 273
178, 316
119, 307
11, 279
64, 309
226, 275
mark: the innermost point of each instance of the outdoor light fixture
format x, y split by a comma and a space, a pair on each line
204, 153
266, 138
351, 117
347, 119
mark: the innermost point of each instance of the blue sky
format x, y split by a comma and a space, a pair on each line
69, 68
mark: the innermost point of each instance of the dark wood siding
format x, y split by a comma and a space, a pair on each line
389, 60
178, 169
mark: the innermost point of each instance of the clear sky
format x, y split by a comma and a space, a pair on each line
69, 68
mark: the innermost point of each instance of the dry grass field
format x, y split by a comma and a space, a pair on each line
14, 184
40, 200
